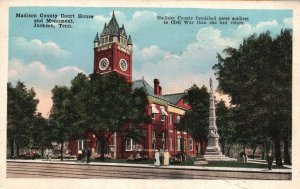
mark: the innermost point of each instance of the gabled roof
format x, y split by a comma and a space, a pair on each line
143, 84
171, 98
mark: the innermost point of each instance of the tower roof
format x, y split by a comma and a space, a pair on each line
129, 41
96, 38
113, 26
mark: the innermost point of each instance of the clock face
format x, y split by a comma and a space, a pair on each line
103, 64
123, 65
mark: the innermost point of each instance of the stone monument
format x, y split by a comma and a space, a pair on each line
213, 150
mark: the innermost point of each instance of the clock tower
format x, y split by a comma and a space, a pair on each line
113, 50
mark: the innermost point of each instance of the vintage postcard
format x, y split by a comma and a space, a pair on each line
172, 93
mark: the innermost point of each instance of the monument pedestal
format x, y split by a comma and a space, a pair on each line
219, 157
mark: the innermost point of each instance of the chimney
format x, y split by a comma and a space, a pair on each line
160, 91
156, 87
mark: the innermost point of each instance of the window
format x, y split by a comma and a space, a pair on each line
81, 144
170, 119
178, 144
171, 144
163, 113
184, 145
153, 140
129, 144
177, 119
163, 140
154, 111
153, 116
191, 144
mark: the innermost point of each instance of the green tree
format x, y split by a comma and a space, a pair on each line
138, 115
196, 120
41, 133
105, 104
61, 115
226, 126
257, 76
21, 108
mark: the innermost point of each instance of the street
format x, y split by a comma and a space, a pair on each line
56, 169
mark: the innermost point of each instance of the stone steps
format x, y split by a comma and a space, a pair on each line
218, 158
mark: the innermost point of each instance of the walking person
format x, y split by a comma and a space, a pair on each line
88, 155
161, 156
270, 159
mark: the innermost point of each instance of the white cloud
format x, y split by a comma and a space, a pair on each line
38, 48
178, 72
121, 17
288, 22
272, 25
134, 24
267, 24
37, 75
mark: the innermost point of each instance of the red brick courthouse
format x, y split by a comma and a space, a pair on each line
113, 52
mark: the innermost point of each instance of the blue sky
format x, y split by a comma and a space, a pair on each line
179, 55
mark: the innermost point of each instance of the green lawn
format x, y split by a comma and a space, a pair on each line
238, 164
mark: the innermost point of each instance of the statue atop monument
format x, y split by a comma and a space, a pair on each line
210, 84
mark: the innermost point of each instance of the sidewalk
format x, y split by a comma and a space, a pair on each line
261, 161
239, 169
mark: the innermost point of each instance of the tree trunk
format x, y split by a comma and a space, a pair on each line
228, 150
287, 156
12, 149
102, 149
42, 151
62, 151
223, 146
263, 151
253, 152
203, 147
122, 148
18, 150
278, 152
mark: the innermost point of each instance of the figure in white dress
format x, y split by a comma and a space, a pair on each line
166, 157
157, 162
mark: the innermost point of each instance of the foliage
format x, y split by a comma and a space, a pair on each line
226, 125
257, 76
61, 115
21, 107
196, 120
41, 133
105, 104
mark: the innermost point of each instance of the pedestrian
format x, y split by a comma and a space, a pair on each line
83, 155
161, 156
88, 155
166, 157
270, 160
48, 154
156, 155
